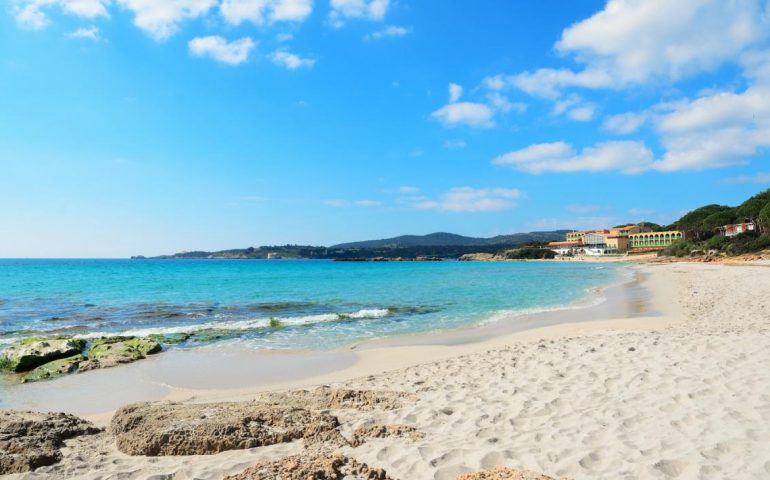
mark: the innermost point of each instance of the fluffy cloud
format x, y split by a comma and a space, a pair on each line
477, 115
89, 33
216, 47
467, 199
291, 61
342, 10
624, 123
261, 12
716, 130
161, 19
31, 13
625, 157
391, 31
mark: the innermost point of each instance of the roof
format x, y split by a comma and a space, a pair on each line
565, 244
657, 233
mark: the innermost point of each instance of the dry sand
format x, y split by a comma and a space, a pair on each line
682, 395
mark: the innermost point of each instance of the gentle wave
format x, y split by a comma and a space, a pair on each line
252, 324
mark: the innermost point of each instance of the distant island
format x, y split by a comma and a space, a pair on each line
406, 247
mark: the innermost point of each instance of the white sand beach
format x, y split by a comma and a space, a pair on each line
684, 394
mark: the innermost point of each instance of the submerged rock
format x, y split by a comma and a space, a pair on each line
31, 352
111, 351
170, 338
504, 474
29, 440
165, 428
55, 369
311, 467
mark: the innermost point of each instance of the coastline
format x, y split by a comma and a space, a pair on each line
676, 393
202, 373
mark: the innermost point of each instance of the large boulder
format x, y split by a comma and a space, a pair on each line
55, 369
311, 467
164, 428
29, 440
112, 351
32, 352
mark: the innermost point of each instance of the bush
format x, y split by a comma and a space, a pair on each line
529, 254
716, 242
748, 242
681, 248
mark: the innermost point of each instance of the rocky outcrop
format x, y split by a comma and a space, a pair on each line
165, 428
55, 369
29, 440
367, 432
32, 352
311, 467
112, 351
478, 257
504, 474
324, 398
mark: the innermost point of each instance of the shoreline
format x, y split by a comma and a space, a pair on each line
680, 392
206, 374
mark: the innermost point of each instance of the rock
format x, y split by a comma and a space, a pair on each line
165, 428
55, 369
478, 257
31, 352
362, 434
311, 467
328, 398
111, 351
29, 440
504, 474
170, 338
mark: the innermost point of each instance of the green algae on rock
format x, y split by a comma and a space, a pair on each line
111, 351
26, 354
55, 369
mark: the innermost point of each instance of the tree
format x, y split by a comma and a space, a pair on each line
692, 222
717, 219
750, 208
763, 218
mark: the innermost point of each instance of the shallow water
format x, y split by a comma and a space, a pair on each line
279, 304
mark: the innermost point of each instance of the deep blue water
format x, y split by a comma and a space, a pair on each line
312, 304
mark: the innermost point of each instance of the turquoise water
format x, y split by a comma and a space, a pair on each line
277, 304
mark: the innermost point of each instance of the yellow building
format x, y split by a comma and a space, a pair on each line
654, 240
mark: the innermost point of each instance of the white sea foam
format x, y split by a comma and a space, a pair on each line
245, 325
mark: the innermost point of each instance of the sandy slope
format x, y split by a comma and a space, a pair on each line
684, 395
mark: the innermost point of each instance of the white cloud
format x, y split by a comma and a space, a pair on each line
390, 31
636, 42
260, 12
339, 203
467, 199
408, 189
88, 33
291, 61
216, 47
716, 130
455, 92
342, 10
30, 13
160, 19
624, 156
575, 108
625, 123
758, 178
501, 103
476, 115
583, 113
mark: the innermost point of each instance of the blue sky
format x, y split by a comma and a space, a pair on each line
147, 127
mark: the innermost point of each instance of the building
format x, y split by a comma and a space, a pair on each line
653, 240
617, 243
566, 248
737, 228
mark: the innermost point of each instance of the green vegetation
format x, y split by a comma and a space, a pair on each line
701, 228
529, 253
275, 323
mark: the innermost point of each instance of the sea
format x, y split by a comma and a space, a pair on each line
281, 304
